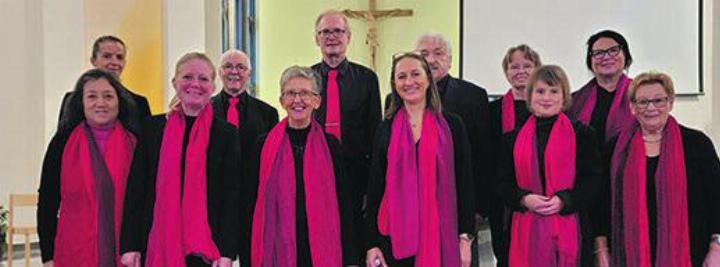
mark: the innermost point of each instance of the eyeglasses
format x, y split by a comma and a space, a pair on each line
612, 52
337, 32
304, 95
656, 102
229, 67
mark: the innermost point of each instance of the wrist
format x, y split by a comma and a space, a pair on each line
715, 240
467, 237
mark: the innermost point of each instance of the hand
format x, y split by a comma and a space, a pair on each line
602, 258
130, 259
222, 262
465, 253
49, 264
533, 202
712, 259
375, 258
554, 206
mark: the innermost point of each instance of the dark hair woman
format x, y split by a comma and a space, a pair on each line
84, 175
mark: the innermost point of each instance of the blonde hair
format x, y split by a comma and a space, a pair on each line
175, 101
651, 77
552, 75
528, 53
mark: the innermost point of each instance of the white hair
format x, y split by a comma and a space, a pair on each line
436, 37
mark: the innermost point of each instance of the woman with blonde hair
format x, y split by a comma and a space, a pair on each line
182, 206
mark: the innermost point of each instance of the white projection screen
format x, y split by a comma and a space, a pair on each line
663, 35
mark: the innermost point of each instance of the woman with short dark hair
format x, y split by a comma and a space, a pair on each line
84, 175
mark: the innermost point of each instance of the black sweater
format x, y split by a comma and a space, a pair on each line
588, 178
298, 138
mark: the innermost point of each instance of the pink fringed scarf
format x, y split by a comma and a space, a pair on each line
673, 249
77, 243
538, 240
180, 220
508, 112
419, 207
619, 115
273, 232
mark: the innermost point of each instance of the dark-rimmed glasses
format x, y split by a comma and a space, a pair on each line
643, 103
612, 52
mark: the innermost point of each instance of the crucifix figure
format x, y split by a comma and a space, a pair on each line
372, 16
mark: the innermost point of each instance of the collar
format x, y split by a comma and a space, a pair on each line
442, 84
343, 68
224, 96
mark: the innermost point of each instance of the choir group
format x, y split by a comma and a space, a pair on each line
604, 176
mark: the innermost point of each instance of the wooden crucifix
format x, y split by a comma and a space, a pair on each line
373, 16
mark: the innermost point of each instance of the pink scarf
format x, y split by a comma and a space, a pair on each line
180, 220
76, 244
508, 112
538, 240
631, 237
273, 232
619, 115
419, 207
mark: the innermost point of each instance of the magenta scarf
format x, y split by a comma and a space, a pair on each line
631, 241
273, 232
419, 207
619, 115
180, 221
508, 112
538, 240
78, 244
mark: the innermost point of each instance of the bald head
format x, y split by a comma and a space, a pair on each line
234, 71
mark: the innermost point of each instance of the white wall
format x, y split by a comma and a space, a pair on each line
43, 53
701, 111
22, 112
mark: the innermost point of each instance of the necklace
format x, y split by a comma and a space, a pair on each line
654, 140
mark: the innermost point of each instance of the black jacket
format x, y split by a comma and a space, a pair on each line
223, 187
463, 181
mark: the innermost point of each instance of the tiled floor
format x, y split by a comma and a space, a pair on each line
484, 247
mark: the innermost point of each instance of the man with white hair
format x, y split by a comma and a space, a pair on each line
251, 116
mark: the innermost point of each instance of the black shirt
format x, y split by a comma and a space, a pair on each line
599, 116
651, 168
463, 181
359, 106
702, 168
298, 138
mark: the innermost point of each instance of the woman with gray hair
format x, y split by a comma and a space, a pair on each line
302, 212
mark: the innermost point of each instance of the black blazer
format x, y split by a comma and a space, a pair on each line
223, 187
378, 170
256, 118
141, 103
